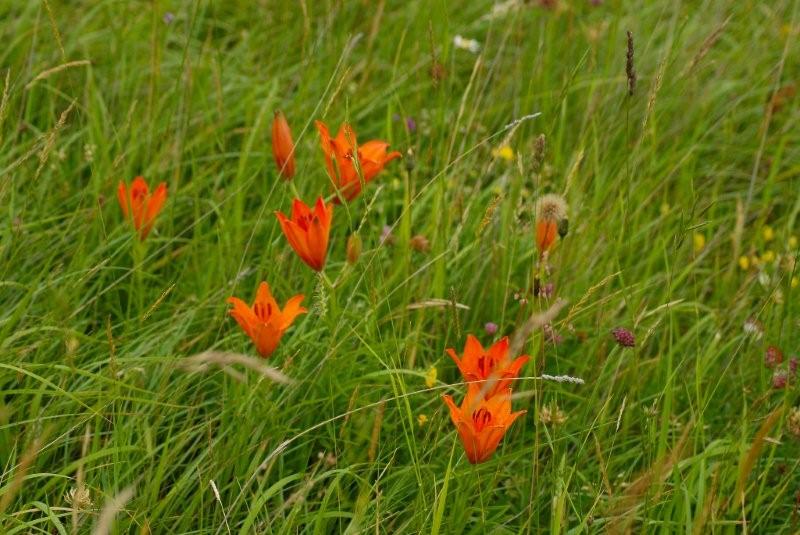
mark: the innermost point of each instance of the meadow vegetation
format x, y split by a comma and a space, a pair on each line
662, 325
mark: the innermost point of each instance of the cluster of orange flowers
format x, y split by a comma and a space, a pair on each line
349, 167
485, 413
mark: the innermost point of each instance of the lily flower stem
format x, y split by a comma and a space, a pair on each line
137, 277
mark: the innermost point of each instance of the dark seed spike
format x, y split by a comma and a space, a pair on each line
630, 70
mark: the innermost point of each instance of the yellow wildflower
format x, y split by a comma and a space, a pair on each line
504, 152
795, 282
768, 257
768, 233
792, 242
699, 242
430, 377
422, 419
744, 262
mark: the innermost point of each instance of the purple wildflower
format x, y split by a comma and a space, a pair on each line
548, 290
623, 337
490, 328
551, 335
773, 356
779, 380
386, 236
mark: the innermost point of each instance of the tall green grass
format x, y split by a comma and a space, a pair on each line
683, 433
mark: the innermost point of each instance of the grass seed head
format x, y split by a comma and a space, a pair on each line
630, 70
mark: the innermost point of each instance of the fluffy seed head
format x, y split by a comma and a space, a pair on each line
551, 207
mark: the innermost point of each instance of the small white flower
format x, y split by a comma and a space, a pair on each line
466, 44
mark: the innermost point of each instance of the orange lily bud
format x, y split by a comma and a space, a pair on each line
353, 248
339, 159
283, 146
308, 230
140, 205
551, 220
265, 322
546, 232
493, 367
481, 422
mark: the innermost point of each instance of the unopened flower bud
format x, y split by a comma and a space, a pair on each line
420, 243
353, 248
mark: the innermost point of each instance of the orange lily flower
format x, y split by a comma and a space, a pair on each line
372, 158
265, 322
307, 231
546, 232
492, 366
283, 146
481, 422
141, 205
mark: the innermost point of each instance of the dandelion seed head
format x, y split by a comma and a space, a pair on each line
551, 207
